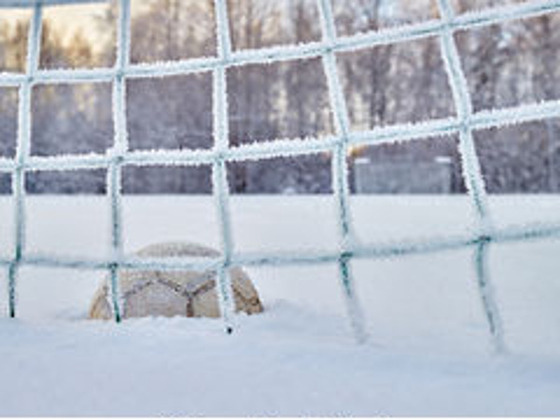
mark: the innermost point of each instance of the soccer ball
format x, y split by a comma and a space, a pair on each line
174, 293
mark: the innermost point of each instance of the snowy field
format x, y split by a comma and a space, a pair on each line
429, 351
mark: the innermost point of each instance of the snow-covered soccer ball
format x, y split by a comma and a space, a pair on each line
170, 293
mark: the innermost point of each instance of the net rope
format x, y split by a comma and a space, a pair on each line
464, 123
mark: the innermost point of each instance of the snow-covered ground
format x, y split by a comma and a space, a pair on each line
429, 351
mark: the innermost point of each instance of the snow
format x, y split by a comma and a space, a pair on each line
429, 350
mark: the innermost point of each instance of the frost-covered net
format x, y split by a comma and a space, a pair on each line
463, 124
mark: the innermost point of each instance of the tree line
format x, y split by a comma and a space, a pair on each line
505, 65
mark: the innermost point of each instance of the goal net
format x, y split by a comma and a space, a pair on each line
120, 155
